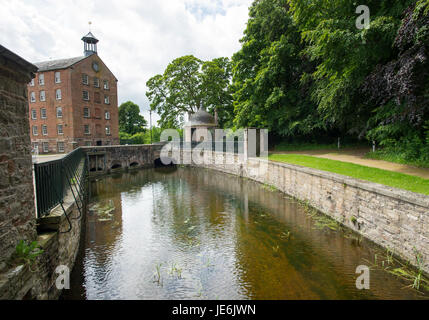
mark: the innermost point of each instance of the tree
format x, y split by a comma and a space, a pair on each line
345, 55
188, 84
267, 72
130, 119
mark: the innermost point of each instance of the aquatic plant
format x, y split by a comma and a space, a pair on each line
208, 263
321, 220
174, 269
276, 250
285, 235
157, 273
405, 271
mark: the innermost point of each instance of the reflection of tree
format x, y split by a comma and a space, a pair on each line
191, 211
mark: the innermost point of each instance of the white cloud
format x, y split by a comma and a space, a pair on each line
137, 38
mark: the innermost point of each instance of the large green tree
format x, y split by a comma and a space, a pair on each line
130, 119
345, 55
188, 84
267, 74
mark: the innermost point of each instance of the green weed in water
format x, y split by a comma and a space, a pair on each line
157, 274
413, 275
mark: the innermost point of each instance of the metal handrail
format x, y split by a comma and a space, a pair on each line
54, 179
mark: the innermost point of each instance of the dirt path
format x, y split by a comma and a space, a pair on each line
357, 156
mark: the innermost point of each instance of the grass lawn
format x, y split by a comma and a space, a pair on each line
388, 178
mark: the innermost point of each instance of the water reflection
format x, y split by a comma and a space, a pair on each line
190, 233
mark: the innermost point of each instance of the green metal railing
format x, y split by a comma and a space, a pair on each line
54, 180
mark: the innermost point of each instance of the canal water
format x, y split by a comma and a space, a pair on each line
187, 233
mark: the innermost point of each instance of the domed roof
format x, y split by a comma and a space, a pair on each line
201, 118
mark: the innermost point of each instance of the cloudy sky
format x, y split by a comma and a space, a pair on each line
138, 38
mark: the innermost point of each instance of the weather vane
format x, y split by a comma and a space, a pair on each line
89, 23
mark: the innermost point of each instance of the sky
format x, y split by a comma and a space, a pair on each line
138, 38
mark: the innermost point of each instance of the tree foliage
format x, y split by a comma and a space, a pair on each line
130, 119
267, 73
305, 70
188, 84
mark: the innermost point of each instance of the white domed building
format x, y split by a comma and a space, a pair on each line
200, 124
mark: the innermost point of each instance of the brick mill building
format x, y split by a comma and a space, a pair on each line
73, 102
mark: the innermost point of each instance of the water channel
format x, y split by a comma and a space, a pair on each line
187, 233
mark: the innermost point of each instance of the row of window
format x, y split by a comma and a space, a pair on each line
45, 130
45, 146
96, 82
60, 131
42, 79
43, 114
85, 80
87, 129
42, 95
58, 96
97, 99
86, 113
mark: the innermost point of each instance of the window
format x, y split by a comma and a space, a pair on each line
85, 79
88, 143
86, 129
32, 96
108, 131
32, 83
107, 115
60, 129
45, 146
106, 85
45, 130
58, 94
57, 77
42, 96
106, 99
36, 148
35, 131
85, 95
59, 112
43, 113
96, 82
33, 114
61, 147
97, 97
108, 143
86, 113
41, 79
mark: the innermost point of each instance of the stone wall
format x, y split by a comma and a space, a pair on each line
60, 244
17, 213
393, 218
17, 206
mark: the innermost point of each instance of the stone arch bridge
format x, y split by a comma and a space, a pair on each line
106, 159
